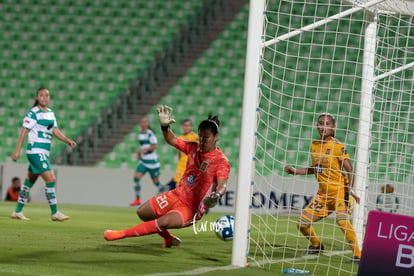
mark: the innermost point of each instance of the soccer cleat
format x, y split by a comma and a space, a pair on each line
111, 235
174, 241
58, 216
136, 202
314, 249
355, 260
19, 215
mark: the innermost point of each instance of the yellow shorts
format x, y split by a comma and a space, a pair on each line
324, 205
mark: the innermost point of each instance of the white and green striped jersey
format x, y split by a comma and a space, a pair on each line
150, 158
40, 125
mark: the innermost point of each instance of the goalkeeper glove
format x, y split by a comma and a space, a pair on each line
212, 200
164, 115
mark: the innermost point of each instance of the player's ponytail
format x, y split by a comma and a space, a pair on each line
211, 123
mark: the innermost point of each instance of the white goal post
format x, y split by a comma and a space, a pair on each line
240, 243
378, 74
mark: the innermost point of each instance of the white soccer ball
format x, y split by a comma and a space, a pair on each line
224, 227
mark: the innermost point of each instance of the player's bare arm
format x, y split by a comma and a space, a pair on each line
20, 140
347, 165
63, 138
221, 186
215, 196
169, 136
303, 171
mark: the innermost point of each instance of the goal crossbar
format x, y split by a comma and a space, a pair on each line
394, 71
321, 22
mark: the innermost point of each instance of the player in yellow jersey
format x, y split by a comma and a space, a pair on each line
329, 160
189, 136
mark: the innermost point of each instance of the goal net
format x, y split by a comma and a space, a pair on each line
354, 60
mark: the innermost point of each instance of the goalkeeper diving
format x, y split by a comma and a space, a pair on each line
202, 185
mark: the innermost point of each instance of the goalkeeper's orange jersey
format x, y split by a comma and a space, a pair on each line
201, 175
327, 157
182, 159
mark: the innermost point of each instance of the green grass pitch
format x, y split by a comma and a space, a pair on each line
77, 246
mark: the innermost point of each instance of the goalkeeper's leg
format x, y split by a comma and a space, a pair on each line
158, 215
170, 220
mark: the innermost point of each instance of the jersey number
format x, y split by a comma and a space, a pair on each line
162, 201
316, 205
42, 157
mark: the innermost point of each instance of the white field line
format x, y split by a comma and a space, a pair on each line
201, 270
17, 272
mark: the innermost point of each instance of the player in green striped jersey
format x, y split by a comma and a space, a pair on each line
40, 126
148, 160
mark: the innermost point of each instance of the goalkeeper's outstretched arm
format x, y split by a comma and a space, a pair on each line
169, 136
165, 118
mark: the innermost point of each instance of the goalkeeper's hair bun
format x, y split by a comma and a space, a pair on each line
212, 123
